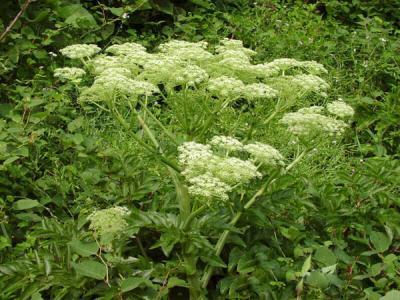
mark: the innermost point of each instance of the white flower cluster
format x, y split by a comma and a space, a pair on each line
101, 63
308, 123
231, 44
80, 50
126, 49
73, 74
310, 83
232, 88
109, 220
312, 110
259, 91
227, 73
212, 176
285, 64
265, 154
227, 143
208, 186
340, 109
110, 83
226, 87
186, 51
190, 75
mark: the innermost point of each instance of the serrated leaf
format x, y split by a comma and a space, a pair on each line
25, 204
380, 241
84, 249
90, 268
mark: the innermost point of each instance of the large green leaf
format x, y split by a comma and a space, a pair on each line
325, 256
380, 241
90, 268
84, 249
391, 295
25, 204
132, 283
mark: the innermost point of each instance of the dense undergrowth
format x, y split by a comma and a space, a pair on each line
163, 169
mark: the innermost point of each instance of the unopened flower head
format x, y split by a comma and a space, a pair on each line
226, 142
80, 50
226, 87
265, 154
340, 109
259, 91
73, 74
208, 186
109, 220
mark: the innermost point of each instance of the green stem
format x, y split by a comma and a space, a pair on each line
222, 240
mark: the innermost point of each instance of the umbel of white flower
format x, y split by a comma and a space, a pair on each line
211, 175
340, 109
109, 221
311, 120
72, 74
80, 50
226, 72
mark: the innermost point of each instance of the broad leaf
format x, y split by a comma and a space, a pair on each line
92, 269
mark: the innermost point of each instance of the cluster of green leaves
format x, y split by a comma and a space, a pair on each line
328, 230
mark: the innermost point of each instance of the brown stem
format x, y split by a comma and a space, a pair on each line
12, 23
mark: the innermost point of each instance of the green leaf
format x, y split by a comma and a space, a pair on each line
391, 295
175, 281
25, 204
202, 3
164, 6
92, 269
306, 266
132, 283
116, 11
84, 249
325, 256
77, 16
380, 241
318, 280
246, 264
213, 260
